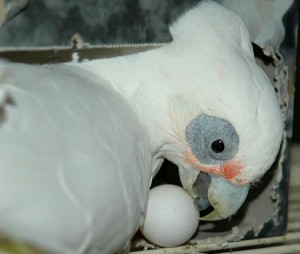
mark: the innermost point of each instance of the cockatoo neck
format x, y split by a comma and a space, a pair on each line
145, 88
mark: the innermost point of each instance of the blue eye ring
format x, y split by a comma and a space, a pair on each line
213, 140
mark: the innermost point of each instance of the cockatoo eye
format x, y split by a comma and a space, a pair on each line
213, 140
218, 146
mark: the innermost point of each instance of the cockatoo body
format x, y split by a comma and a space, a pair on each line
81, 142
74, 161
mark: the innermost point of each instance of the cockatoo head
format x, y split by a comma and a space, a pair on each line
227, 125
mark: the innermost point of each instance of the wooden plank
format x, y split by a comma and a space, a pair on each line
200, 248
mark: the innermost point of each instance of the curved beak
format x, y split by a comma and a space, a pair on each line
210, 190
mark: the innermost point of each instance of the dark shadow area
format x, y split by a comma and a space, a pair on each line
258, 52
296, 122
168, 174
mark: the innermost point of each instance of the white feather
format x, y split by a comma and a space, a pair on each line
74, 162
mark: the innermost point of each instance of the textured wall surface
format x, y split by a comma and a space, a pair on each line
53, 23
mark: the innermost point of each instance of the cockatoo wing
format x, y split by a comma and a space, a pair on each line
74, 161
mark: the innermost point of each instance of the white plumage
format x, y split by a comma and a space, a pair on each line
80, 143
75, 165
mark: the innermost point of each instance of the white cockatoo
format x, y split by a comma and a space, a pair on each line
81, 142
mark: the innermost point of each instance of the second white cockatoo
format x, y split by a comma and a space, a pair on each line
81, 142
206, 105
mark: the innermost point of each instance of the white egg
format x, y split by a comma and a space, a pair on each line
171, 217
